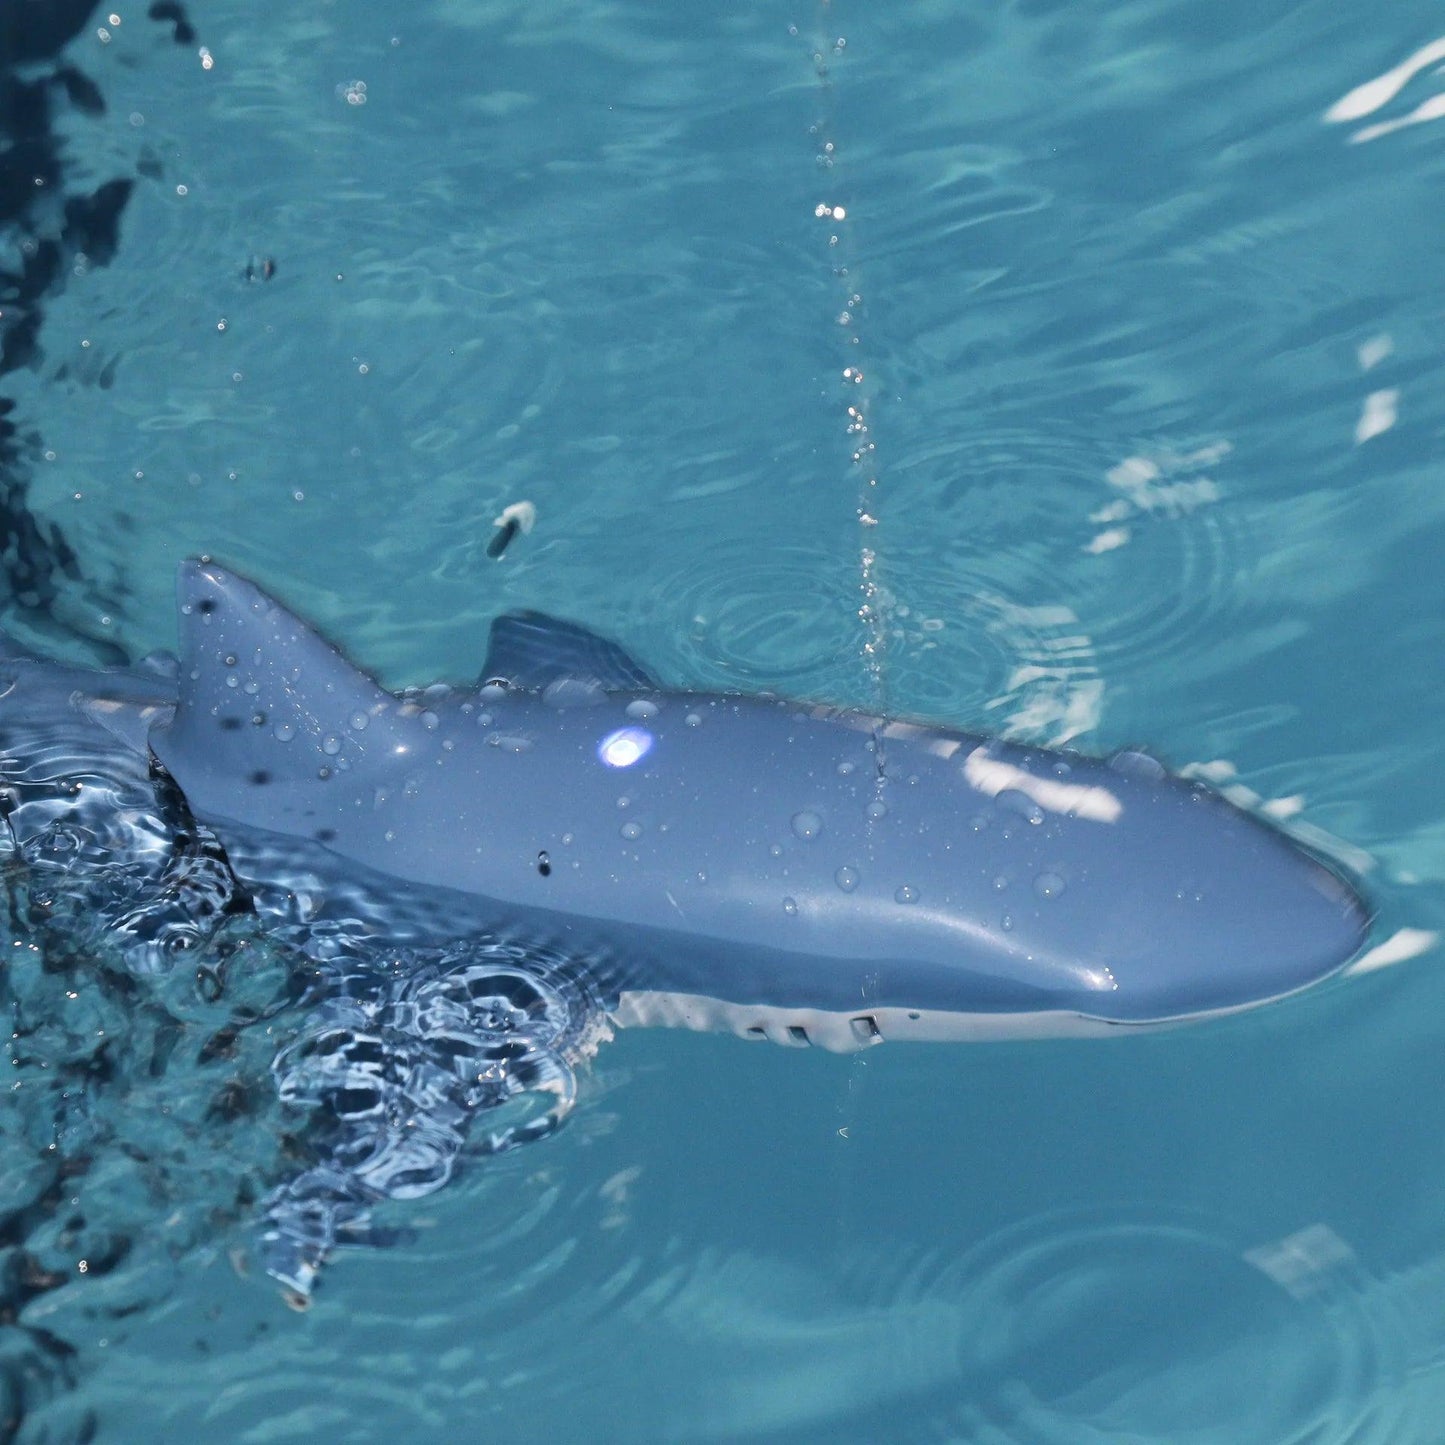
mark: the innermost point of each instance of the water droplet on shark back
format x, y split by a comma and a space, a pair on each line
507, 743
283, 732
1014, 801
641, 707
807, 825
846, 878
1131, 763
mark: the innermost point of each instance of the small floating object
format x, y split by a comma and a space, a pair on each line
518, 517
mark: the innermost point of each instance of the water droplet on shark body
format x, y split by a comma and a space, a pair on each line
1016, 802
358, 721
283, 732
1131, 763
631, 831
510, 743
331, 744
906, 894
641, 707
877, 809
807, 825
1049, 885
846, 878
790, 907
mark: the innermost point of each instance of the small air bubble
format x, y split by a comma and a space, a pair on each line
906, 894
430, 721
693, 720
631, 831
845, 768
790, 907
877, 809
1006, 923
846, 878
1048, 885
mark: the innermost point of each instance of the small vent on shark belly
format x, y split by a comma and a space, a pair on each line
866, 1030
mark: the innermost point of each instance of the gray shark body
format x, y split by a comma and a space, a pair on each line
510, 867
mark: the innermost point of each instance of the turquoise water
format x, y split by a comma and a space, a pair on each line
1065, 370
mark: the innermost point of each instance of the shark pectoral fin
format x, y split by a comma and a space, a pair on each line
263, 696
532, 650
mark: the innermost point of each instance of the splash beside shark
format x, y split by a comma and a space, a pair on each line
569, 846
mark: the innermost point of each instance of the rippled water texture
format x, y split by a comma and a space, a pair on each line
1070, 371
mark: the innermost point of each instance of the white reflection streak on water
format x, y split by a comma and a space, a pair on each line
1366, 99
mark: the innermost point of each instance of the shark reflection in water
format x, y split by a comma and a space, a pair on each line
480, 883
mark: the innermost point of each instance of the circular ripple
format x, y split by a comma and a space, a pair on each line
1150, 1326
1174, 594
988, 642
785, 619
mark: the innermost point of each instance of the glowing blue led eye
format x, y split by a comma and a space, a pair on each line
624, 747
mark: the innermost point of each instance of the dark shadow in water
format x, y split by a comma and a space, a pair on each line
37, 562
44, 226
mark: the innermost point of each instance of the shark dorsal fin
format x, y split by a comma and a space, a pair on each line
531, 650
263, 695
